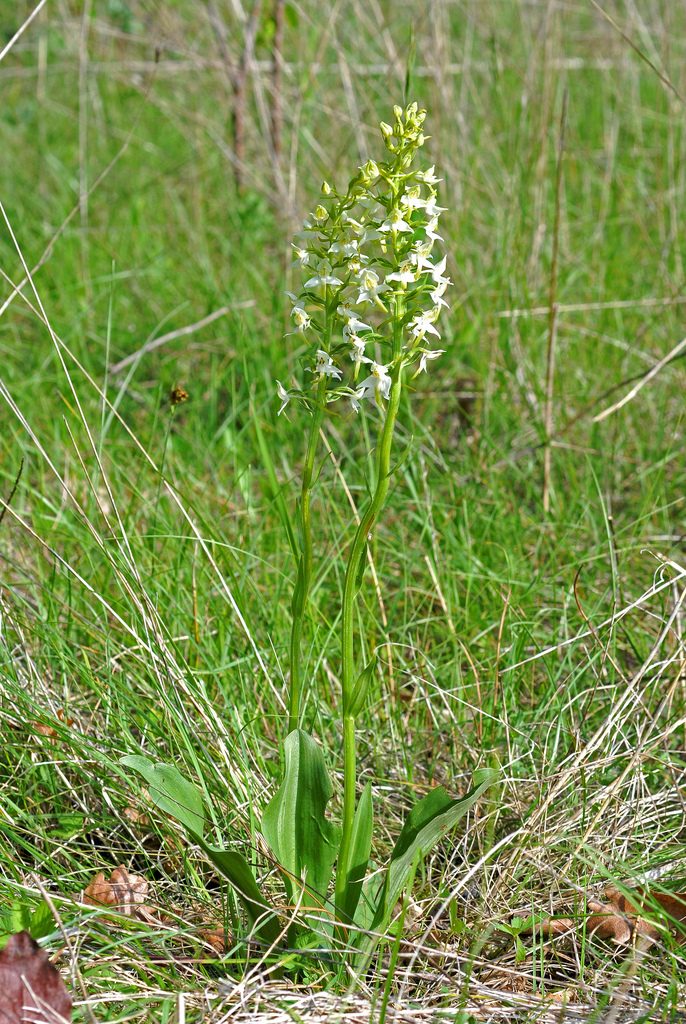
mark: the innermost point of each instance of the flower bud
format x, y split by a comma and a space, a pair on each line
326, 188
411, 112
398, 112
386, 130
320, 213
370, 172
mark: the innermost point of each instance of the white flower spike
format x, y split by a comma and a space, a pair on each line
369, 274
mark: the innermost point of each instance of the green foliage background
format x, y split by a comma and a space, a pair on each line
118, 183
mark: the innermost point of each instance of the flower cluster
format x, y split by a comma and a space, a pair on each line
373, 290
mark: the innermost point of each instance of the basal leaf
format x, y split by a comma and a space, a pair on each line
236, 869
427, 823
170, 791
294, 823
361, 844
176, 796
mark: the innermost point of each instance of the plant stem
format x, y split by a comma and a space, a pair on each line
304, 576
350, 589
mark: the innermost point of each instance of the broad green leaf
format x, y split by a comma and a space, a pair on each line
176, 796
427, 823
236, 869
360, 847
303, 840
170, 791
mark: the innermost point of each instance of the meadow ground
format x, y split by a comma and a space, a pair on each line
145, 568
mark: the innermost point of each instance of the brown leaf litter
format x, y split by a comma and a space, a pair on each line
32, 989
126, 893
122, 892
621, 917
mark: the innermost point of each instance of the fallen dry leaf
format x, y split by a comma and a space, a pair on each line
48, 730
31, 989
621, 918
639, 902
123, 892
216, 938
135, 816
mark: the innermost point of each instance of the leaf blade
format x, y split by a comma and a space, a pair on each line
175, 795
429, 820
294, 822
360, 849
170, 791
234, 867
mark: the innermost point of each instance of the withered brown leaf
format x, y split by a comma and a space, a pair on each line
622, 917
123, 892
31, 988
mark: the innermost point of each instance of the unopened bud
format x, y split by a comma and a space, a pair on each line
326, 188
369, 171
386, 130
411, 112
398, 112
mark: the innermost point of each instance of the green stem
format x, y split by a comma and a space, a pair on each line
304, 576
350, 588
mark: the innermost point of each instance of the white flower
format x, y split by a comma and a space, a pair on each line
302, 256
422, 324
420, 256
357, 354
370, 235
437, 273
356, 262
377, 383
283, 396
324, 276
437, 293
300, 317
405, 274
428, 355
432, 210
395, 223
412, 199
370, 288
347, 248
324, 367
353, 325
346, 218
428, 176
431, 230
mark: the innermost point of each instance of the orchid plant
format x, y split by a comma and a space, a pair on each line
367, 313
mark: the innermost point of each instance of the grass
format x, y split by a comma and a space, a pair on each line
146, 571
